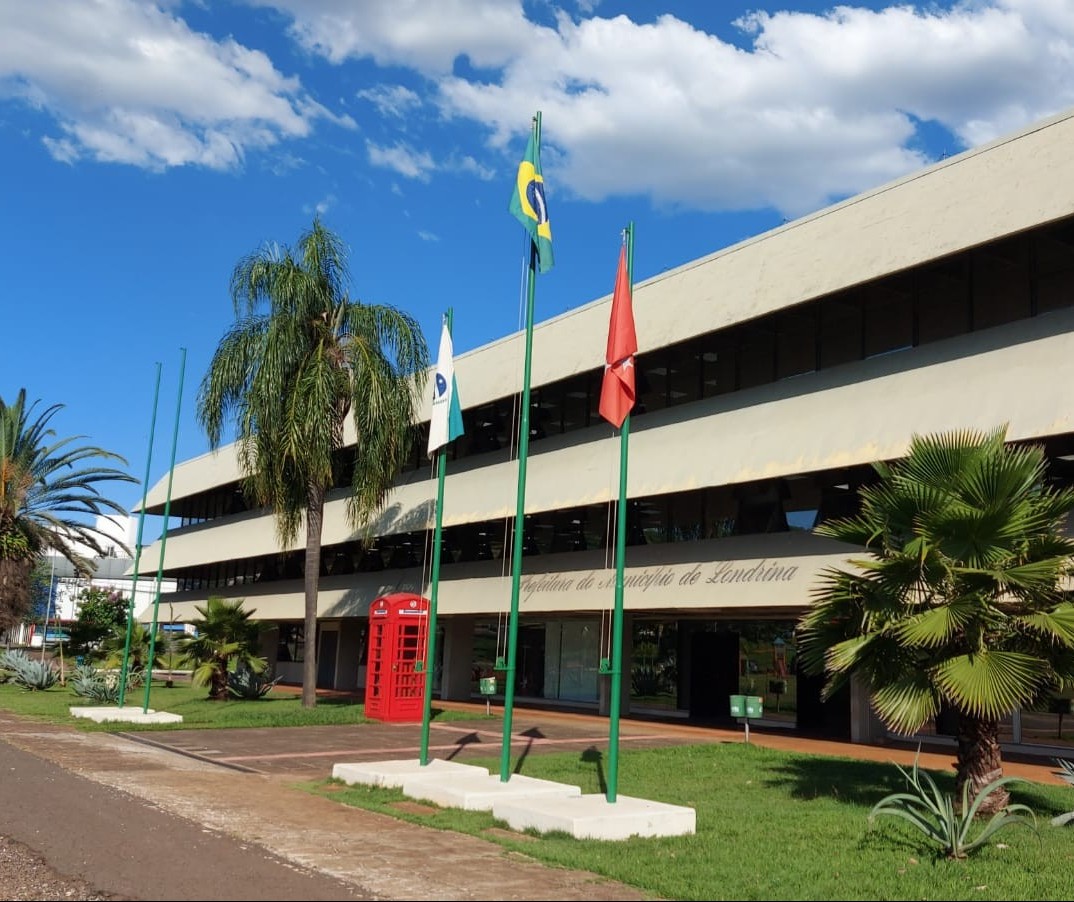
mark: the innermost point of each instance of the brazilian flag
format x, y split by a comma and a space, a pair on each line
528, 203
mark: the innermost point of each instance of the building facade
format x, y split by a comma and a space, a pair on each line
771, 375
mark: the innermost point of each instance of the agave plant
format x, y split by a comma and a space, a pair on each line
1066, 771
30, 673
10, 661
101, 685
245, 684
951, 827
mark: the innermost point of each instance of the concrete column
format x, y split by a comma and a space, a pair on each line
269, 644
351, 636
457, 676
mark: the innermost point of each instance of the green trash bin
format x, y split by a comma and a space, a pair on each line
487, 687
754, 705
738, 706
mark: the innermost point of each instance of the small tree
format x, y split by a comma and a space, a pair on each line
226, 638
99, 612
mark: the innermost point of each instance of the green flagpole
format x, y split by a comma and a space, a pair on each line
620, 560
164, 536
138, 548
520, 509
430, 654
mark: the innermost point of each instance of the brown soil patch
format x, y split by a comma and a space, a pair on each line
509, 834
414, 808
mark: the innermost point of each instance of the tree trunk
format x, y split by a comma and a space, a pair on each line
218, 682
314, 522
979, 762
15, 575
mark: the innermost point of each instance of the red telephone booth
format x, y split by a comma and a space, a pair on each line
396, 665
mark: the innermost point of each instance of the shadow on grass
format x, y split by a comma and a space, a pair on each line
843, 779
595, 756
866, 782
530, 734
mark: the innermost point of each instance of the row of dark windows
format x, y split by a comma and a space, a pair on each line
766, 506
1012, 279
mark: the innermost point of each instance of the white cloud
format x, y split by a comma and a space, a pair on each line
322, 206
392, 100
129, 82
402, 159
427, 35
810, 108
804, 108
471, 166
427, 236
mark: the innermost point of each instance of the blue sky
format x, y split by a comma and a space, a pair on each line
145, 147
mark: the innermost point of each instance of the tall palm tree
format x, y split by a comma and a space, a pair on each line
301, 356
48, 485
963, 601
226, 636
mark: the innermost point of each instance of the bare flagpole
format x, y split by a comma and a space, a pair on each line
164, 536
138, 546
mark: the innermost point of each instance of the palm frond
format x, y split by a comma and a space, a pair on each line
991, 683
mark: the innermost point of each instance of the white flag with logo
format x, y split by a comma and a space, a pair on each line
445, 424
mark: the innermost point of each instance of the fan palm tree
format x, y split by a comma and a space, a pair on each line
301, 356
226, 637
962, 602
115, 646
47, 486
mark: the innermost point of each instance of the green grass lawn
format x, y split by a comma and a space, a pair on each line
770, 825
277, 709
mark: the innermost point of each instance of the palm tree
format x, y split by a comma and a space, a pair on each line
962, 602
226, 637
114, 646
47, 485
300, 357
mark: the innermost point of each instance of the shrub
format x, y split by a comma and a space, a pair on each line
935, 814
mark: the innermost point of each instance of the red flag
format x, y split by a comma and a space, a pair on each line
617, 392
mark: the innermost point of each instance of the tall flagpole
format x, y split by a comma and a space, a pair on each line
620, 560
138, 547
430, 654
520, 508
164, 536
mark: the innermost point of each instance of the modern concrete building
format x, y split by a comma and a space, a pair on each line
772, 374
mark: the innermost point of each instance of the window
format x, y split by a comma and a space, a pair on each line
292, 644
889, 318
